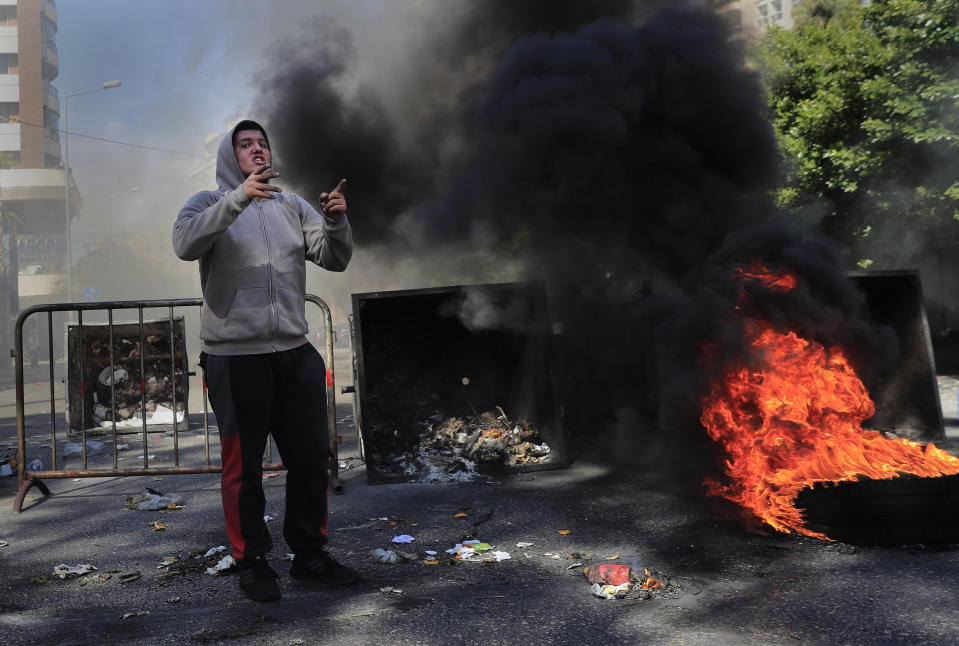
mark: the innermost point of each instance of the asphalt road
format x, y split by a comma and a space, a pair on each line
727, 582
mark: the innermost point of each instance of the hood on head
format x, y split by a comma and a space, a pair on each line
228, 173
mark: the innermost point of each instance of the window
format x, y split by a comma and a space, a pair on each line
8, 63
8, 111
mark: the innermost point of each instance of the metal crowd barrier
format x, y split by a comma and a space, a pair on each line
28, 478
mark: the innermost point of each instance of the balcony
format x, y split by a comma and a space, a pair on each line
50, 11
9, 88
9, 139
51, 100
35, 184
51, 144
51, 62
8, 39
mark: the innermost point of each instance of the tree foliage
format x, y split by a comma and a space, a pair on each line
865, 103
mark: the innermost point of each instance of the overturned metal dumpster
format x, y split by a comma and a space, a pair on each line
454, 382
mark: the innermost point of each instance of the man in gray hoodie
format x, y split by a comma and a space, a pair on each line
263, 376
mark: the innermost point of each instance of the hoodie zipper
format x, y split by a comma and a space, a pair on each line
269, 260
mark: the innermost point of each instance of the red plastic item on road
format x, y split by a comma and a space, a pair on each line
607, 573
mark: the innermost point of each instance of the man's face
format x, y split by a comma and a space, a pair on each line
251, 150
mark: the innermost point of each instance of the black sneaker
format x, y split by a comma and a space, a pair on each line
258, 579
321, 566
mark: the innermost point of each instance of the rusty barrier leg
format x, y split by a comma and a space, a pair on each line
334, 459
28, 478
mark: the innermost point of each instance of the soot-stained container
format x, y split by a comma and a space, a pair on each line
479, 354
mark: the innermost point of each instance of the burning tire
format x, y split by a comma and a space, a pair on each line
901, 511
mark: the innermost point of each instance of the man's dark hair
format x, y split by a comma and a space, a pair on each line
247, 124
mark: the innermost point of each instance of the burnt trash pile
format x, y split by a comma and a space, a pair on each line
126, 375
451, 449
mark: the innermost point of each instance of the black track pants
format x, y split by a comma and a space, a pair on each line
283, 393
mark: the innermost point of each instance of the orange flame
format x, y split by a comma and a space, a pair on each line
649, 582
797, 422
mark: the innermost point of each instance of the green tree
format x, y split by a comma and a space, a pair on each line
864, 103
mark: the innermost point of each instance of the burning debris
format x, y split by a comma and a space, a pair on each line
790, 417
452, 449
615, 581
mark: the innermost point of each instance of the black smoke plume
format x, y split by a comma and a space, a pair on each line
621, 145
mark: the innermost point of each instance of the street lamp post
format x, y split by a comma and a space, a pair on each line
66, 177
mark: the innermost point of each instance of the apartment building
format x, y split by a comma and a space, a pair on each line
748, 19
33, 183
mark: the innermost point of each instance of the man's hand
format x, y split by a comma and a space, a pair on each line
333, 204
257, 184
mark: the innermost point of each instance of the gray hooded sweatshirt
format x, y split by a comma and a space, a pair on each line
252, 253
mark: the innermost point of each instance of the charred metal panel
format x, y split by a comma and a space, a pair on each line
907, 399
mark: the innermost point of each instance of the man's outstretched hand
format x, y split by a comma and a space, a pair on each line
257, 184
333, 204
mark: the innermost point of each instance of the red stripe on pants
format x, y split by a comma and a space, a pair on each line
232, 454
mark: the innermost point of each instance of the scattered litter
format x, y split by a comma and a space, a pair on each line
122, 446
390, 591
608, 573
129, 577
93, 448
391, 557
36, 465
564, 532
4, 543
173, 600
430, 552
461, 514
403, 538
574, 566
612, 558
288, 557
77, 479
138, 613
212, 551
65, 571
610, 591
271, 474
95, 578
474, 550
432, 561
224, 563
524, 544
154, 501
157, 526
267, 518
